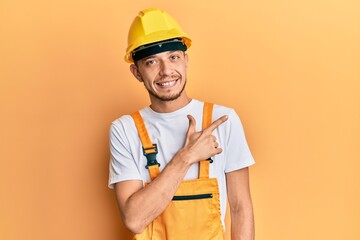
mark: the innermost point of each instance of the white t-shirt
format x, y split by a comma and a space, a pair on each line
168, 131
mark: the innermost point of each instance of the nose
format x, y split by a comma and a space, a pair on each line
165, 68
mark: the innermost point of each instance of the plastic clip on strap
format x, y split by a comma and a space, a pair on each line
150, 154
152, 164
149, 149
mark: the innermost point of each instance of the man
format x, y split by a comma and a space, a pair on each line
173, 176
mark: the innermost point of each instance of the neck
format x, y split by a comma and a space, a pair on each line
169, 106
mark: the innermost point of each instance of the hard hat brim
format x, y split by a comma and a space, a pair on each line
156, 37
158, 47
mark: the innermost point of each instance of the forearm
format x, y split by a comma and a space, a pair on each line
242, 224
142, 207
241, 208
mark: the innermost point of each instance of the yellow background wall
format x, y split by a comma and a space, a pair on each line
290, 68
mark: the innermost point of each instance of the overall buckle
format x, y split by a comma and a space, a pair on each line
150, 154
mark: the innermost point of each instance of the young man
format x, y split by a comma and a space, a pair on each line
175, 163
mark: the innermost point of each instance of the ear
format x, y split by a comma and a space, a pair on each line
186, 59
135, 71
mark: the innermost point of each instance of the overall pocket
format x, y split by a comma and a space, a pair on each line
186, 217
192, 197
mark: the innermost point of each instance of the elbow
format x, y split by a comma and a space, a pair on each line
134, 225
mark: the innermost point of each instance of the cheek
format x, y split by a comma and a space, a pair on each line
184, 70
149, 74
147, 79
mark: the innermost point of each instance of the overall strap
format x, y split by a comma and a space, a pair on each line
149, 149
204, 165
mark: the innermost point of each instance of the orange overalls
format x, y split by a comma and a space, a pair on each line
194, 212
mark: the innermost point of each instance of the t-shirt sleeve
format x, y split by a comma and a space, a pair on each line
122, 165
237, 153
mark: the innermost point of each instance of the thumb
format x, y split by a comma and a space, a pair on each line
192, 125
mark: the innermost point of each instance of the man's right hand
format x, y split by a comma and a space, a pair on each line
202, 145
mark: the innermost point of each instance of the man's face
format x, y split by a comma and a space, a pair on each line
163, 74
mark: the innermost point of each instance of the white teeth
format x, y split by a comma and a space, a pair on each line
165, 84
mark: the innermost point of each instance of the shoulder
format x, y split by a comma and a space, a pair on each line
122, 122
126, 120
220, 110
223, 110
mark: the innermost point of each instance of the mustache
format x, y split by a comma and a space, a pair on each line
168, 77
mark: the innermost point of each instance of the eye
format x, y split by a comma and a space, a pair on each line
150, 62
174, 57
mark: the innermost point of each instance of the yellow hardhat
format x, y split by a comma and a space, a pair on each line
151, 26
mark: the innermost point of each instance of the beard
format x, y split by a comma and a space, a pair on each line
167, 98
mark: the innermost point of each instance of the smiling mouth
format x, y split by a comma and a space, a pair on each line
167, 84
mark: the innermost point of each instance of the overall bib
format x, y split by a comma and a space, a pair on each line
194, 212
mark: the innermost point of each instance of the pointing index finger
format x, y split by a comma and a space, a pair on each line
216, 123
